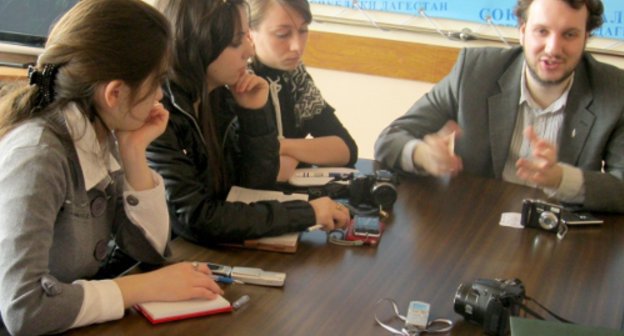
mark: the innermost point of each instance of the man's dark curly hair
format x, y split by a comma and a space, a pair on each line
594, 7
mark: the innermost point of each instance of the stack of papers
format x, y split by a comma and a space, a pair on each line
530, 327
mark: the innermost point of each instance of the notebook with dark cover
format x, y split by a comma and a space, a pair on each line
530, 327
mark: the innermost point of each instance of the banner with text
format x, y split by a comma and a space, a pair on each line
499, 11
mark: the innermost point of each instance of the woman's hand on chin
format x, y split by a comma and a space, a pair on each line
251, 91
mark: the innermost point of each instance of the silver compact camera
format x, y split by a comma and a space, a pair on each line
552, 217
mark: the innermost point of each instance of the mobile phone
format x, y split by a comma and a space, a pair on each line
365, 230
219, 269
417, 316
579, 218
258, 276
366, 226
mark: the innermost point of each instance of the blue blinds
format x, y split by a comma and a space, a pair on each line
28, 22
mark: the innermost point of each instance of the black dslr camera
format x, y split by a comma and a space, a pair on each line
490, 303
376, 190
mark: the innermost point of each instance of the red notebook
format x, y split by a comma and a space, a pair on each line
160, 312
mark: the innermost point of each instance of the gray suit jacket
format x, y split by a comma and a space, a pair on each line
53, 231
482, 93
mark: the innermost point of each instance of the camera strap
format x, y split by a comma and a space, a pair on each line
337, 237
536, 315
436, 326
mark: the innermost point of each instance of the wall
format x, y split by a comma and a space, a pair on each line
365, 103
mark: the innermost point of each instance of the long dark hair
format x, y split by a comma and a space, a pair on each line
94, 42
202, 29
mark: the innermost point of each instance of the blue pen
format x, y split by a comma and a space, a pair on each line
226, 280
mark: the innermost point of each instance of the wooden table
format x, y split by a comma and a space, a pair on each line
442, 234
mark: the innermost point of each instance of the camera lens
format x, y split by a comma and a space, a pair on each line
548, 220
384, 194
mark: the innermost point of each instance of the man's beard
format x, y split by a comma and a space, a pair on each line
544, 82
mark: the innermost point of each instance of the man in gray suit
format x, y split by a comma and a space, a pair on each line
545, 114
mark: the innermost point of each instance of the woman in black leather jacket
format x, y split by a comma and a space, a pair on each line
220, 133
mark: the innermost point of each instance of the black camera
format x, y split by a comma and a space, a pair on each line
490, 303
552, 217
539, 214
376, 190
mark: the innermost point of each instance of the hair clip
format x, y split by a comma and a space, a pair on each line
34, 76
44, 80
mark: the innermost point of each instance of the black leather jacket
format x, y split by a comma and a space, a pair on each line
251, 153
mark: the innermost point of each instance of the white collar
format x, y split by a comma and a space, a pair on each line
525, 96
95, 168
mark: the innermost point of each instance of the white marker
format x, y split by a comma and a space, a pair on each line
314, 227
